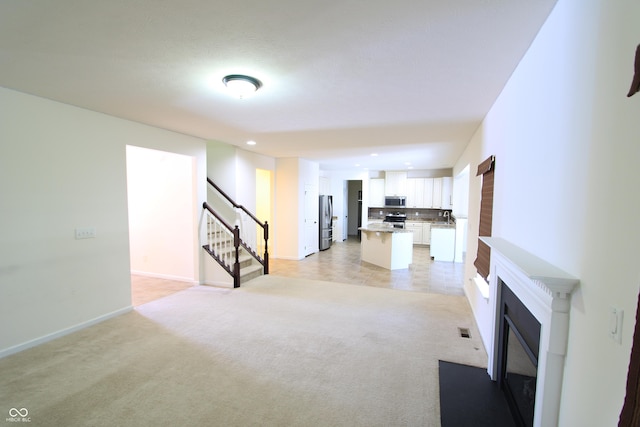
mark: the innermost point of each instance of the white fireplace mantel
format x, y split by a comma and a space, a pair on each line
554, 279
546, 291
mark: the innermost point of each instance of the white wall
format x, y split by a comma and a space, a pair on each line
162, 214
288, 205
566, 143
247, 163
234, 170
221, 166
61, 168
292, 175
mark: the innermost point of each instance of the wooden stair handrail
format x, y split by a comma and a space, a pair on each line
206, 206
234, 204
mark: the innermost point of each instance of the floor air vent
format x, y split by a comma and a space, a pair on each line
464, 332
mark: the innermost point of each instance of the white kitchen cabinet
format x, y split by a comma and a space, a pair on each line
420, 193
376, 192
337, 230
421, 231
443, 241
436, 199
426, 233
395, 184
416, 228
428, 193
415, 192
447, 192
411, 193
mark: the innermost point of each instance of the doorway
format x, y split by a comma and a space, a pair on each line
163, 229
354, 210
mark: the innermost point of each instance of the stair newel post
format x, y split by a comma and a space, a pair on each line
266, 249
209, 226
236, 265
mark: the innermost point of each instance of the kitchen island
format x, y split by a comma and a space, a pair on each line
387, 247
443, 241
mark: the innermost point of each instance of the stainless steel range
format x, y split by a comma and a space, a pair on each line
396, 219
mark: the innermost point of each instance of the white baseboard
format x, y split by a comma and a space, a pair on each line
218, 284
165, 276
32, 343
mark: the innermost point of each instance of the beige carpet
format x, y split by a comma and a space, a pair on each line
276, 352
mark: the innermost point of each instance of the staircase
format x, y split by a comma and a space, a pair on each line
249, 267
240, 257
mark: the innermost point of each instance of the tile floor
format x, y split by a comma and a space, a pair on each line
340, 263
145, 289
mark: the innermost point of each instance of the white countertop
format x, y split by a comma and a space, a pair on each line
381, 228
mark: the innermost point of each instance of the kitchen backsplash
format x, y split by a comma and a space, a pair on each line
412, 213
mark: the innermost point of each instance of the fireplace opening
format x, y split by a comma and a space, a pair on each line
519, 342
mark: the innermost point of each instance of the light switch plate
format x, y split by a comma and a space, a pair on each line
85, 233
615, 324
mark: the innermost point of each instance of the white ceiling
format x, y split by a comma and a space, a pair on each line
410, 80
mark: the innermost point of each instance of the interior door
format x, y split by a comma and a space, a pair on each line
345, 208
311, 227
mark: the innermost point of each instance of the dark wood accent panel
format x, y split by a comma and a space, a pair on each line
483, 259
630, 415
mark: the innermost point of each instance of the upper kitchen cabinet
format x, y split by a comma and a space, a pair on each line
424, 193
447, 192
395, 184
415, 192
436, 199
421, 193
376, 192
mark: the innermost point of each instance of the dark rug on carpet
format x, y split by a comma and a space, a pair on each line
468, 397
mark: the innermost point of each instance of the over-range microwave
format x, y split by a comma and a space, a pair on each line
395, 202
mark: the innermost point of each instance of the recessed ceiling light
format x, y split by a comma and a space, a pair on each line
251, 143
241, 86
357, 164
374, 154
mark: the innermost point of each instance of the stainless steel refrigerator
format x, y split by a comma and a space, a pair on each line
326, 218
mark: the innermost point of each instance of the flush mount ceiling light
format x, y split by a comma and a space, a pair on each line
241, 86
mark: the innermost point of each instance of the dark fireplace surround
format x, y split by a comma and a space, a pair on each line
530, 301
518, 349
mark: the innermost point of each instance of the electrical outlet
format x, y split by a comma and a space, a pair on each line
615, 324
85, 233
